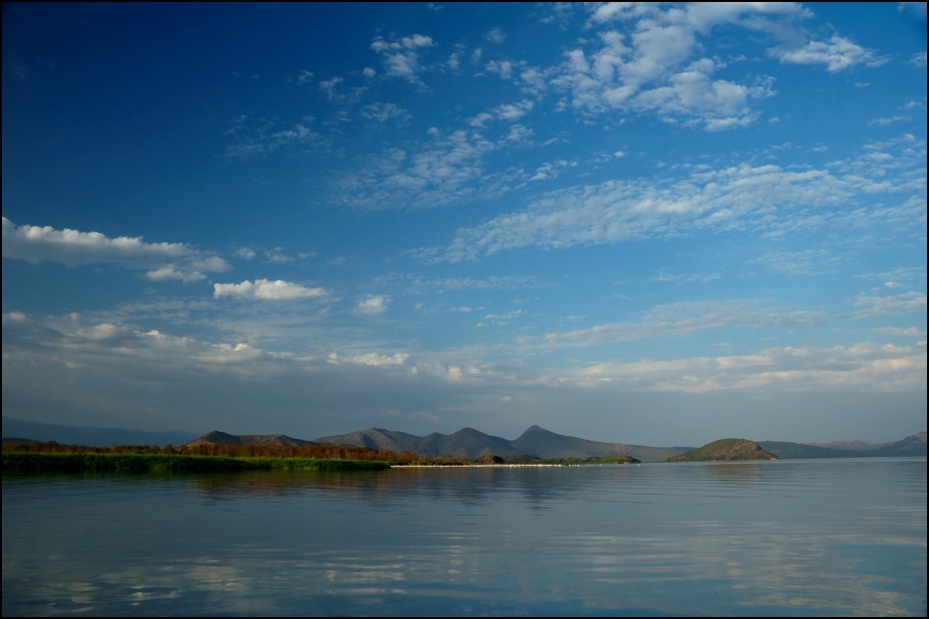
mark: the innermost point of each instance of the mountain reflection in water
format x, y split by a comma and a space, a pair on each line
792, 537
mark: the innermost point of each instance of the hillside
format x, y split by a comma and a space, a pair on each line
535, 441
724, 450
221, 438
801, 451
851, 445
911, 446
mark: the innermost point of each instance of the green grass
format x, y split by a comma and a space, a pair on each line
142, 463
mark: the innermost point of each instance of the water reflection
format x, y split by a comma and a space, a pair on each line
807, 538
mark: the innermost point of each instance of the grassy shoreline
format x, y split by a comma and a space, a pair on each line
20, 462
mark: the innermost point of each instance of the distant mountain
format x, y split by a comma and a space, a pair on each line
800, 451
914, 445
726, 449
535, 441
853, 445
89, 436
221, 438
465, 442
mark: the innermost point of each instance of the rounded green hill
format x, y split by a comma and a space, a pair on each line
725, 450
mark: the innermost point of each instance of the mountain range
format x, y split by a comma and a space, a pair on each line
472, 443
467, 442
90, 436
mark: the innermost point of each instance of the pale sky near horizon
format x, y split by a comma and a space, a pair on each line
656, 224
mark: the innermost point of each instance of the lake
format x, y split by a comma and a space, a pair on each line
814, 537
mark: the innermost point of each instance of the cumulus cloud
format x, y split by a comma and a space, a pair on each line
645, 58
371, 358
267, 290
837, 54
163, 261
401, 57
495, 35
373, 304
168, 273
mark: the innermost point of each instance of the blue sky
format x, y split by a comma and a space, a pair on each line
653, 224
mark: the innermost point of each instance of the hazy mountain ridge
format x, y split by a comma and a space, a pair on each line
913, 445
221, 438
535, 441
856, 445
468, 442
91, 436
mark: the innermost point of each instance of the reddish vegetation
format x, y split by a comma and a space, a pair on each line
334, 452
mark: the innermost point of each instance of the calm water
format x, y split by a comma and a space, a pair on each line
793, 537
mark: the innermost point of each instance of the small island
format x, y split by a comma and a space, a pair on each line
726, 450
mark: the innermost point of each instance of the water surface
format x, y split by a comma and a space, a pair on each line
818, 537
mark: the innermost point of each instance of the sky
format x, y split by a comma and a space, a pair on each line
657, 224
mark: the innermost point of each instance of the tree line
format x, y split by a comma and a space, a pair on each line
322, 452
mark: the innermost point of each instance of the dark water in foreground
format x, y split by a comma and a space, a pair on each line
840, 537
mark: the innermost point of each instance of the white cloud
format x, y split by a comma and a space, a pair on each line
764, 198
864, 367
837, 54
384, 112
645, 71
449, 168
503, 68
371, 358
330, 87
902, 331
255, 137
646, 58
918, 60
245, 253
267, 290
401, 58
495, 35
303, 77
806, 262
679, 319
168, 273
373, 304
889, 120
164, 261
905, 302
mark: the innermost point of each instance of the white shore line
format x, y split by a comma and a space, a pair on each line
494, 466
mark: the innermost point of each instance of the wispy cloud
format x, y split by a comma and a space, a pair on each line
883, 121
680, 319
267, 290
766, 199
863, 367
447, 169
385, 112
251, 137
